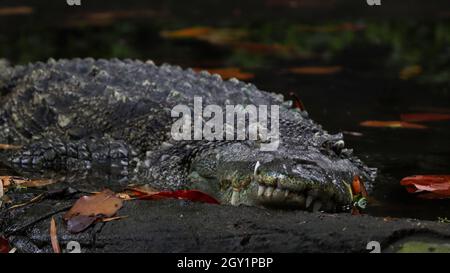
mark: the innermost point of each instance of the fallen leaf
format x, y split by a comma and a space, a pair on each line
392, 124
229, 72
265, 49
423, 117
105, 18
125, 196
33, 200
9, 147
4, 245
191, 195
410, 72
297, 102
331, 28
356, 185
218, 36
428, 186
142, 190
315, 70
19, 10
2, 193
106, 220
9, 181
79, 223
104, 204
193, 32
54, 236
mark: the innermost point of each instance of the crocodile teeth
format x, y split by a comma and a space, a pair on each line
269, 192
261, 190
309, 200
299, 200
235, 198
278, 194
256, 168
339, 144
317, 205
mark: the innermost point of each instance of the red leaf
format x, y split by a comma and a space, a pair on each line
429, 186
358, 187
422, 117
192, 195
229, 72
297, 102
4, 245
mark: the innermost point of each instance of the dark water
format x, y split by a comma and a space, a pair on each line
362, 57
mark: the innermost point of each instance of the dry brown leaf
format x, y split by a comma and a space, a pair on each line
193, 32
315, 70
106, 220
54, 236
265, 49
410, 72
331, 28
142, 190
218, 36
33, 200
125, 196
104, 204
2, 192
79, 223
19, 10
9, 181
9, 147
105, 18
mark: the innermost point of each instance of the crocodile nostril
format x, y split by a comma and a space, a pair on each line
339, 145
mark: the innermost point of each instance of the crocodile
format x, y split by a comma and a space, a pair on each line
80, 115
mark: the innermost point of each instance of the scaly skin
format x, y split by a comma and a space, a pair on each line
78, 115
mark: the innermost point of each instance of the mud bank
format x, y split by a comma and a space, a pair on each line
179, 226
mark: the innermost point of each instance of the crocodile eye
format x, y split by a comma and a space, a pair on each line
304, 162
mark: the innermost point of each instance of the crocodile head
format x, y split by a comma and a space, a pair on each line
310, 170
